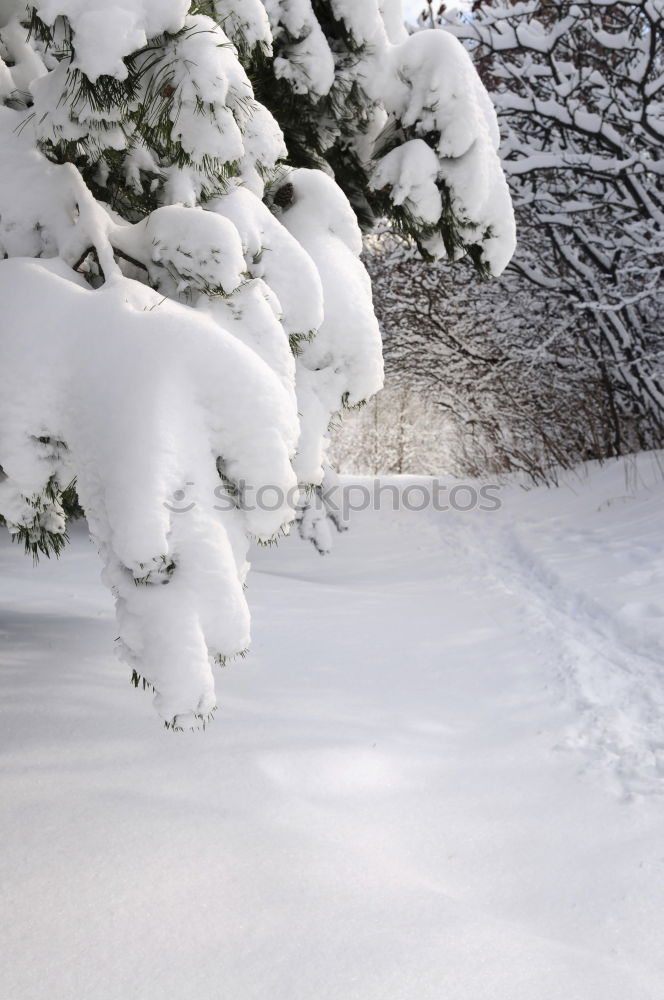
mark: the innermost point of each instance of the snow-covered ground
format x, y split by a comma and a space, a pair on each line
440, 773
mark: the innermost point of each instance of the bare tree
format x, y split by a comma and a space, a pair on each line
400, 431
506, 366
578, 88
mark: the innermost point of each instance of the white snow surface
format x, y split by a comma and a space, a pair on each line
440, 772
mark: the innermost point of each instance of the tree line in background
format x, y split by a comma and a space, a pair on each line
561, 359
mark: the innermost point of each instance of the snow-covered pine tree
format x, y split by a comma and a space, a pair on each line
184, 307
355, 94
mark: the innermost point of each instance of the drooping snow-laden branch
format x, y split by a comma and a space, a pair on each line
184, 307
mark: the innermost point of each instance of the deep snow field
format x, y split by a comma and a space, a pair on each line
438, 776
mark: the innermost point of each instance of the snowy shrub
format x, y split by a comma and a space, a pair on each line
184, 307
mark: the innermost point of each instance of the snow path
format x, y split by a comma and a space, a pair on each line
438, 774
613, 673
